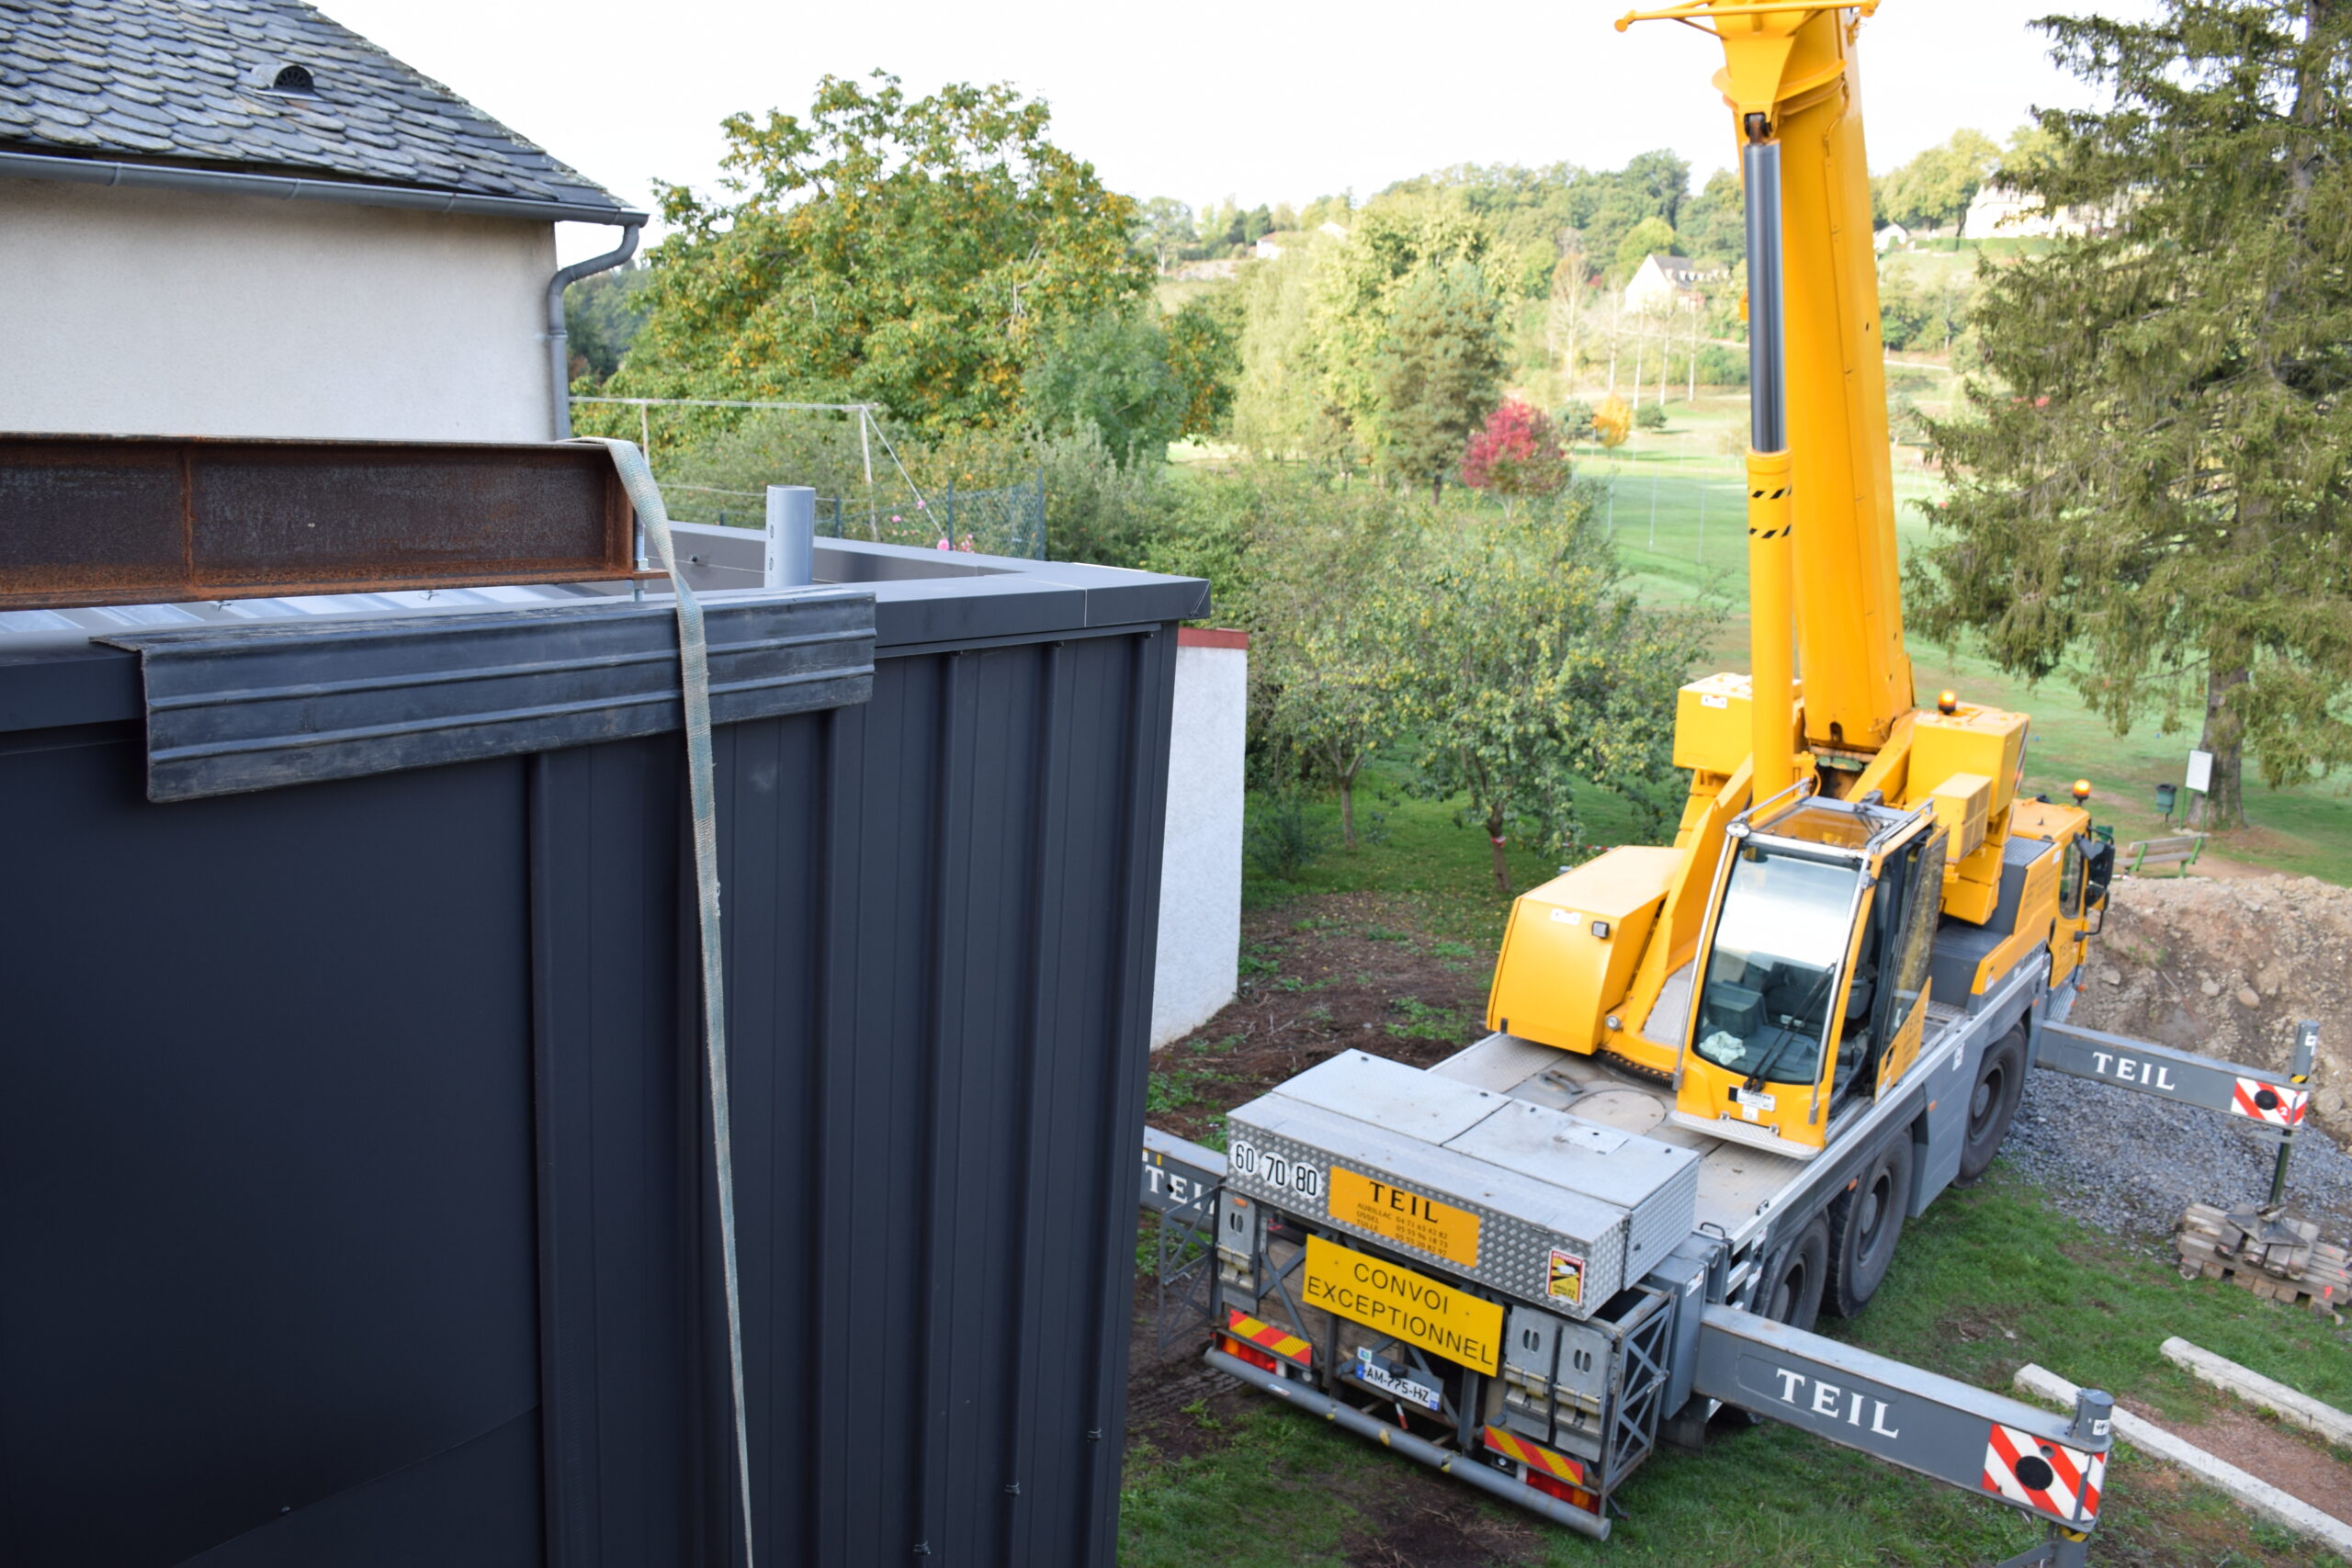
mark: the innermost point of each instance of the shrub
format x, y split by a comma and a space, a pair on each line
1283, 840
1649, 416
1518, 454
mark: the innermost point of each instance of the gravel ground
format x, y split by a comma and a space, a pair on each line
2124, 1161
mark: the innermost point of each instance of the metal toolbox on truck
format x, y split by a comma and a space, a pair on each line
1531, 1201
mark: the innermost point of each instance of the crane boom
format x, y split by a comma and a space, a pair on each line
1721, 965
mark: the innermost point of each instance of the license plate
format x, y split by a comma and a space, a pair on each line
1379, 1374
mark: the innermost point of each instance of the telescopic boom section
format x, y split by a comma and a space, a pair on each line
1817, 378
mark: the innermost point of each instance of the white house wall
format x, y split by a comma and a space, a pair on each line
165, 312
1200, 878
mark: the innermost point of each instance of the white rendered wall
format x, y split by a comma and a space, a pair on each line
174, 313
1200, 876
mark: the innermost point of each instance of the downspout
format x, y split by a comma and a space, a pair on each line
559, 336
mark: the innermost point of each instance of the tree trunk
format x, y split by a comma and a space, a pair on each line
1347, 805
2222, 806
1494, 837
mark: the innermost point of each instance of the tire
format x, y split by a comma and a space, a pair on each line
2000, 1084
1791, 1289
1866, 1223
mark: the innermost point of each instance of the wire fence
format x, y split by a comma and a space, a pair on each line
1006, 520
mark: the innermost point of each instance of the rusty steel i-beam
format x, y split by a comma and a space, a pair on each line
113, 520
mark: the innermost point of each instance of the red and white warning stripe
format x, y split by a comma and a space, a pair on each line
2285, 1108
2050, 1478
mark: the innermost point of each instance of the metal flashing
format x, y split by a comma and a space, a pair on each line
237, 708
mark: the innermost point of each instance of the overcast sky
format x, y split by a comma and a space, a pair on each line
1261, 102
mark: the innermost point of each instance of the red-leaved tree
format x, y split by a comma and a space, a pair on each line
1518, 454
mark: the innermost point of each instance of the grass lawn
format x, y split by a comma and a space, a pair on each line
1987, 1281
1990, 1278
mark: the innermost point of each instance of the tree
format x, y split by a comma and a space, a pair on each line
602, 314
1936, 187
914, 253
1109, 373
1536, 672
2154, 487
1650, 236
1164, 228
1517, 455
1334, 609
1205, 352
1714, 224
1613, 421
1438, 372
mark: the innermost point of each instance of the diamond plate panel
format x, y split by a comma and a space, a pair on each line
1283, 1154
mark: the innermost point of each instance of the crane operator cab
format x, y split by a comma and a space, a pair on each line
1813, 994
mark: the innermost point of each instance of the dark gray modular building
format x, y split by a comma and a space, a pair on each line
355, 1201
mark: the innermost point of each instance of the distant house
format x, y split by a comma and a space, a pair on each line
1272, 247
244, 219
2002, 211
1890, 238
1664, 282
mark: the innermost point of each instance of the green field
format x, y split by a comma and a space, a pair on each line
1674, 498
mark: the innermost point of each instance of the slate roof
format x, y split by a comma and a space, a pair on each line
189, 81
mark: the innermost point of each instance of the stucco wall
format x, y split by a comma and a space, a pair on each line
1200, 879
163, 312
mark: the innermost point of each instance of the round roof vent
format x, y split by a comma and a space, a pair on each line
282, 78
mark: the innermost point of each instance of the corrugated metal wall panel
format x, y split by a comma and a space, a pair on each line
940, 909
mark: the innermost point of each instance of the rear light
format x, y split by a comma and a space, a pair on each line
1574, 1497
1248, 1353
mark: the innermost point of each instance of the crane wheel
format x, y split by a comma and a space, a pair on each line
2000, 1084
1864, 1226
1791, 1289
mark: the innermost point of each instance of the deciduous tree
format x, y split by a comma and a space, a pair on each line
911, 252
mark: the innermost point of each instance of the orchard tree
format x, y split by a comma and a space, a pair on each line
1537, 670
1334, 652
916, 253
2154, 485
1438, 373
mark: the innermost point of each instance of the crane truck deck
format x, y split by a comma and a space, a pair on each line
1721, 1074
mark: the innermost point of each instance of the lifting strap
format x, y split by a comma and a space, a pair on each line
694, 668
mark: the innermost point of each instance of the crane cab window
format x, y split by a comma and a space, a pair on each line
1773, 973
2070, 881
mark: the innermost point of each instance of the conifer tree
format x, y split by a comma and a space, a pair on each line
2152, 486
1437, 374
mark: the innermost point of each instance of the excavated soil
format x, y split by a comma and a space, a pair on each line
2226, 967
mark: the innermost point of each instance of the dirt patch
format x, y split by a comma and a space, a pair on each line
2225, 966
2299, 1468
1440, 1526
1348, 971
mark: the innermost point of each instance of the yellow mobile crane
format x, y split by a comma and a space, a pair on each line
1721, 1075
1810, 973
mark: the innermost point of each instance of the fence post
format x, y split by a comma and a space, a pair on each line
951, 511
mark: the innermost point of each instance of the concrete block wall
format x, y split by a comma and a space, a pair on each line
1200, 884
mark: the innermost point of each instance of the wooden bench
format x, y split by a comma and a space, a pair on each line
2180, 850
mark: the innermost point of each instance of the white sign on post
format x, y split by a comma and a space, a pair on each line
2200, 772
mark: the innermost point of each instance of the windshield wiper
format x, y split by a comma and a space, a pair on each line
1772, 1057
